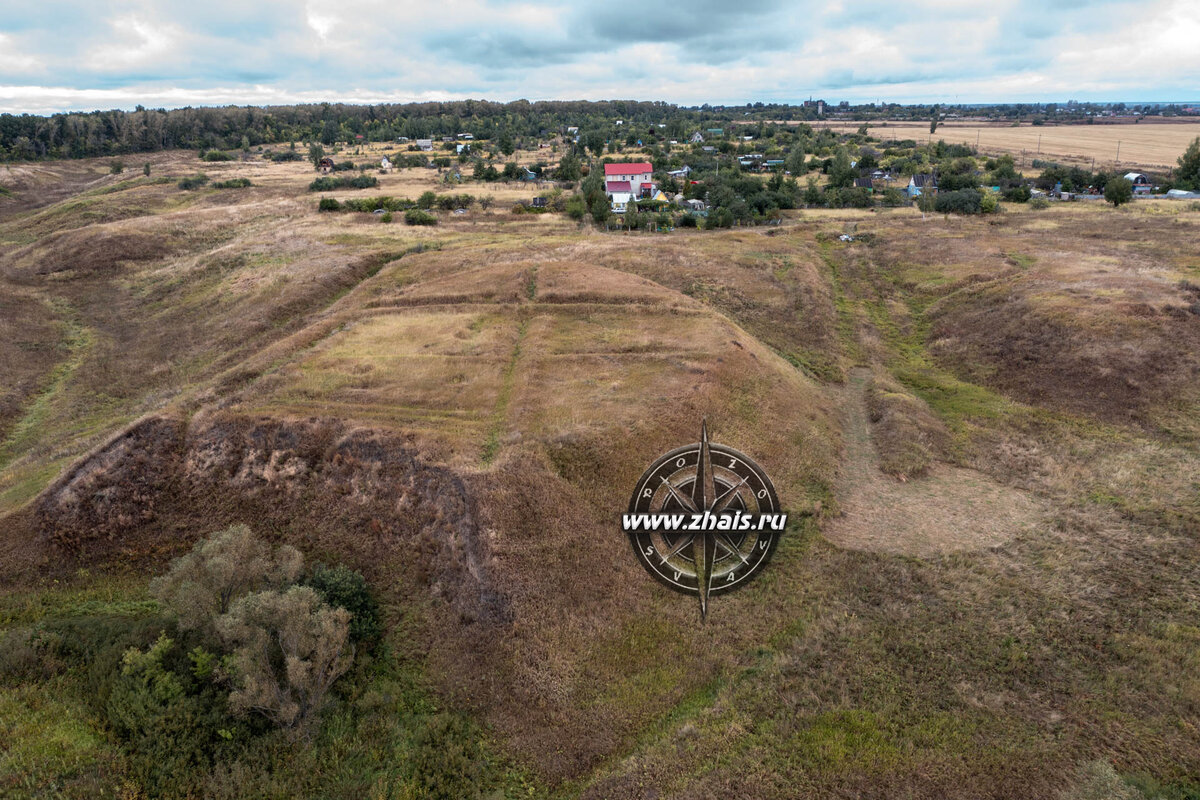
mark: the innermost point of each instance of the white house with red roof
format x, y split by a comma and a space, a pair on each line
623, 183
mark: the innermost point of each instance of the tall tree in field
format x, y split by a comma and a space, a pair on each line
1189, 166
1118, 191
315, 154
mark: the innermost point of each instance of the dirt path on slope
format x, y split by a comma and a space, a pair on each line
949, 509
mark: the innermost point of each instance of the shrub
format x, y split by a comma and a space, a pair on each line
576, 207
1039, 204
1118, 191
989, 203
216, 155
415, 216
689, 221
194, 182
233, 183
386, 217
146, 169
343, 587
961, 201
202, 584
116, 167
287, 155
328, 204
1017, 194
287, 650
893, 197
426, 200
447, 759
328, 184
172, 721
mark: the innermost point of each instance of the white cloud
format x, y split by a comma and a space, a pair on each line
171, 52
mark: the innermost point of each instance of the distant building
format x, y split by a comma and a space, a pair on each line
682, 172
539, 202
1137, 178
325, 164
715, 131
697, 138
466, 136
385, 163
620, 195
635, 173
625, 182
864, 183
920, 184
425, 144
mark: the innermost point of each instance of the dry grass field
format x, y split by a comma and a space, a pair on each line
1146, 145
985, 429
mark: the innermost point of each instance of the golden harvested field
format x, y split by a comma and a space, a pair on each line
1145, 145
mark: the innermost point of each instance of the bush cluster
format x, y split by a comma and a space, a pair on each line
215, 155
415, 216
286, 155
194, 182
961, 201
233, 183
328, 184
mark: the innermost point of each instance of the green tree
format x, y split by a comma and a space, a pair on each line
1188, 176
146, 169
841, 174
1118, 191
315, 153
506, 144
569, 167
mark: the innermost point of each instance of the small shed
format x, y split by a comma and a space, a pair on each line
325, 164
539, 202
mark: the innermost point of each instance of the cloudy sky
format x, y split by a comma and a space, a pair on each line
83, 55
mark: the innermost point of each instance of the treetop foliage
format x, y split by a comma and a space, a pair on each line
203, 584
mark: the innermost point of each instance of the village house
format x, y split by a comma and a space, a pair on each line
385, 164
697, 138
918, 184
682, 172
466, 136
1140, 181
864, 183
425, 144
624, 182
325, 165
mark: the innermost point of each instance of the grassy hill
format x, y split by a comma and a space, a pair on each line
985, 430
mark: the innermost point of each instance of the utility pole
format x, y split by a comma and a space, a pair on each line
1118, 151
1039, 144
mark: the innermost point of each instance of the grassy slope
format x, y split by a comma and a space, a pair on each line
550, 365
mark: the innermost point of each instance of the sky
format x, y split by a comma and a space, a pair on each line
77, 55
